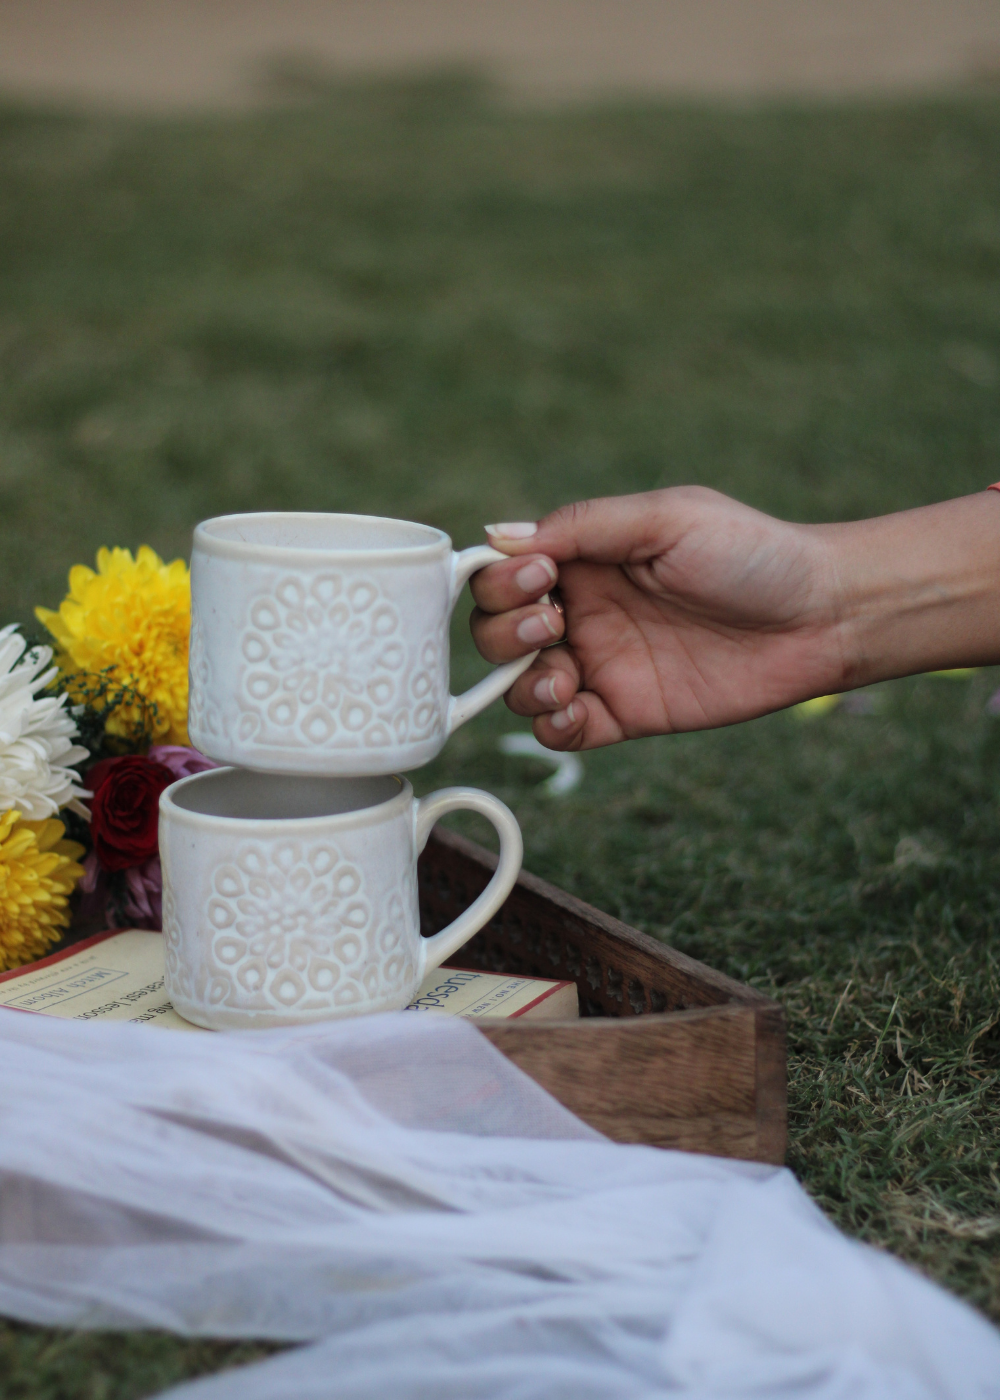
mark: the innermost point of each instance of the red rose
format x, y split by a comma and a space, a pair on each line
125, 811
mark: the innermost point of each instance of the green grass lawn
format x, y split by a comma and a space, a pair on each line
407, 299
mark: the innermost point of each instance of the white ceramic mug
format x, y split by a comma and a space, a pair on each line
288, 900
319, 643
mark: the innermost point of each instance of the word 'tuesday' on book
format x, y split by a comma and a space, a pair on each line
118, 976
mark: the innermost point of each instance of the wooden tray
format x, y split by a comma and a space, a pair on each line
668, 1052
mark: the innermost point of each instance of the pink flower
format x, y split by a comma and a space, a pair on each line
181, 761
91, 873
142, 907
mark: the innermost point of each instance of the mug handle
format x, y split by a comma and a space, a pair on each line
426, 811
462, 707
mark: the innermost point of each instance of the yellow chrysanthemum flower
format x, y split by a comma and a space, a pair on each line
38, 871
131, 622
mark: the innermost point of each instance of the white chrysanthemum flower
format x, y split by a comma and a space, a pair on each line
36, 736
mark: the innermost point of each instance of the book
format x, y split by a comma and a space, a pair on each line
461, 991
118, 976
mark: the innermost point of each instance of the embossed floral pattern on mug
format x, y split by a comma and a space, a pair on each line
203, 713
319, 642
290, 927
326, 663
289, 899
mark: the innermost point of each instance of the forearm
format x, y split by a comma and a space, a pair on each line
917, 591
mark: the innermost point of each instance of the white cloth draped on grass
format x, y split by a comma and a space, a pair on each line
395, 1193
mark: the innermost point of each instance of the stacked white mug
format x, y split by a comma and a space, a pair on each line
320, 672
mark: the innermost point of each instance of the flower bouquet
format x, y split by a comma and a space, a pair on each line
92, 729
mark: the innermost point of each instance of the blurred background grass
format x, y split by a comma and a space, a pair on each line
406, 298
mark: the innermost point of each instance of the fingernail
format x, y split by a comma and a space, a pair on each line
536, 577
545, 691
562, 719
512, 530
536, 628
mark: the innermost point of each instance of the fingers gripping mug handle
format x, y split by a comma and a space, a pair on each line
426, 811
491, 687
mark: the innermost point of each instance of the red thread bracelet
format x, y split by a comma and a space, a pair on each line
994, 487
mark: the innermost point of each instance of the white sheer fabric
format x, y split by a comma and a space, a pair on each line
395, 1193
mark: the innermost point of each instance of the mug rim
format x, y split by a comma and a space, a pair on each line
360, 817
437, 543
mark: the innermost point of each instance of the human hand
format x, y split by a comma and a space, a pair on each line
683, 610
686, 610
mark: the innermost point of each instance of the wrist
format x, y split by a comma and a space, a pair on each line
916, 591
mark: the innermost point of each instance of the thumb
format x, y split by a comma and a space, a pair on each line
606, 530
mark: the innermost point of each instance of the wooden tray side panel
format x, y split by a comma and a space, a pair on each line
772, 1084
686, 1081
671, 1053
542, 931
